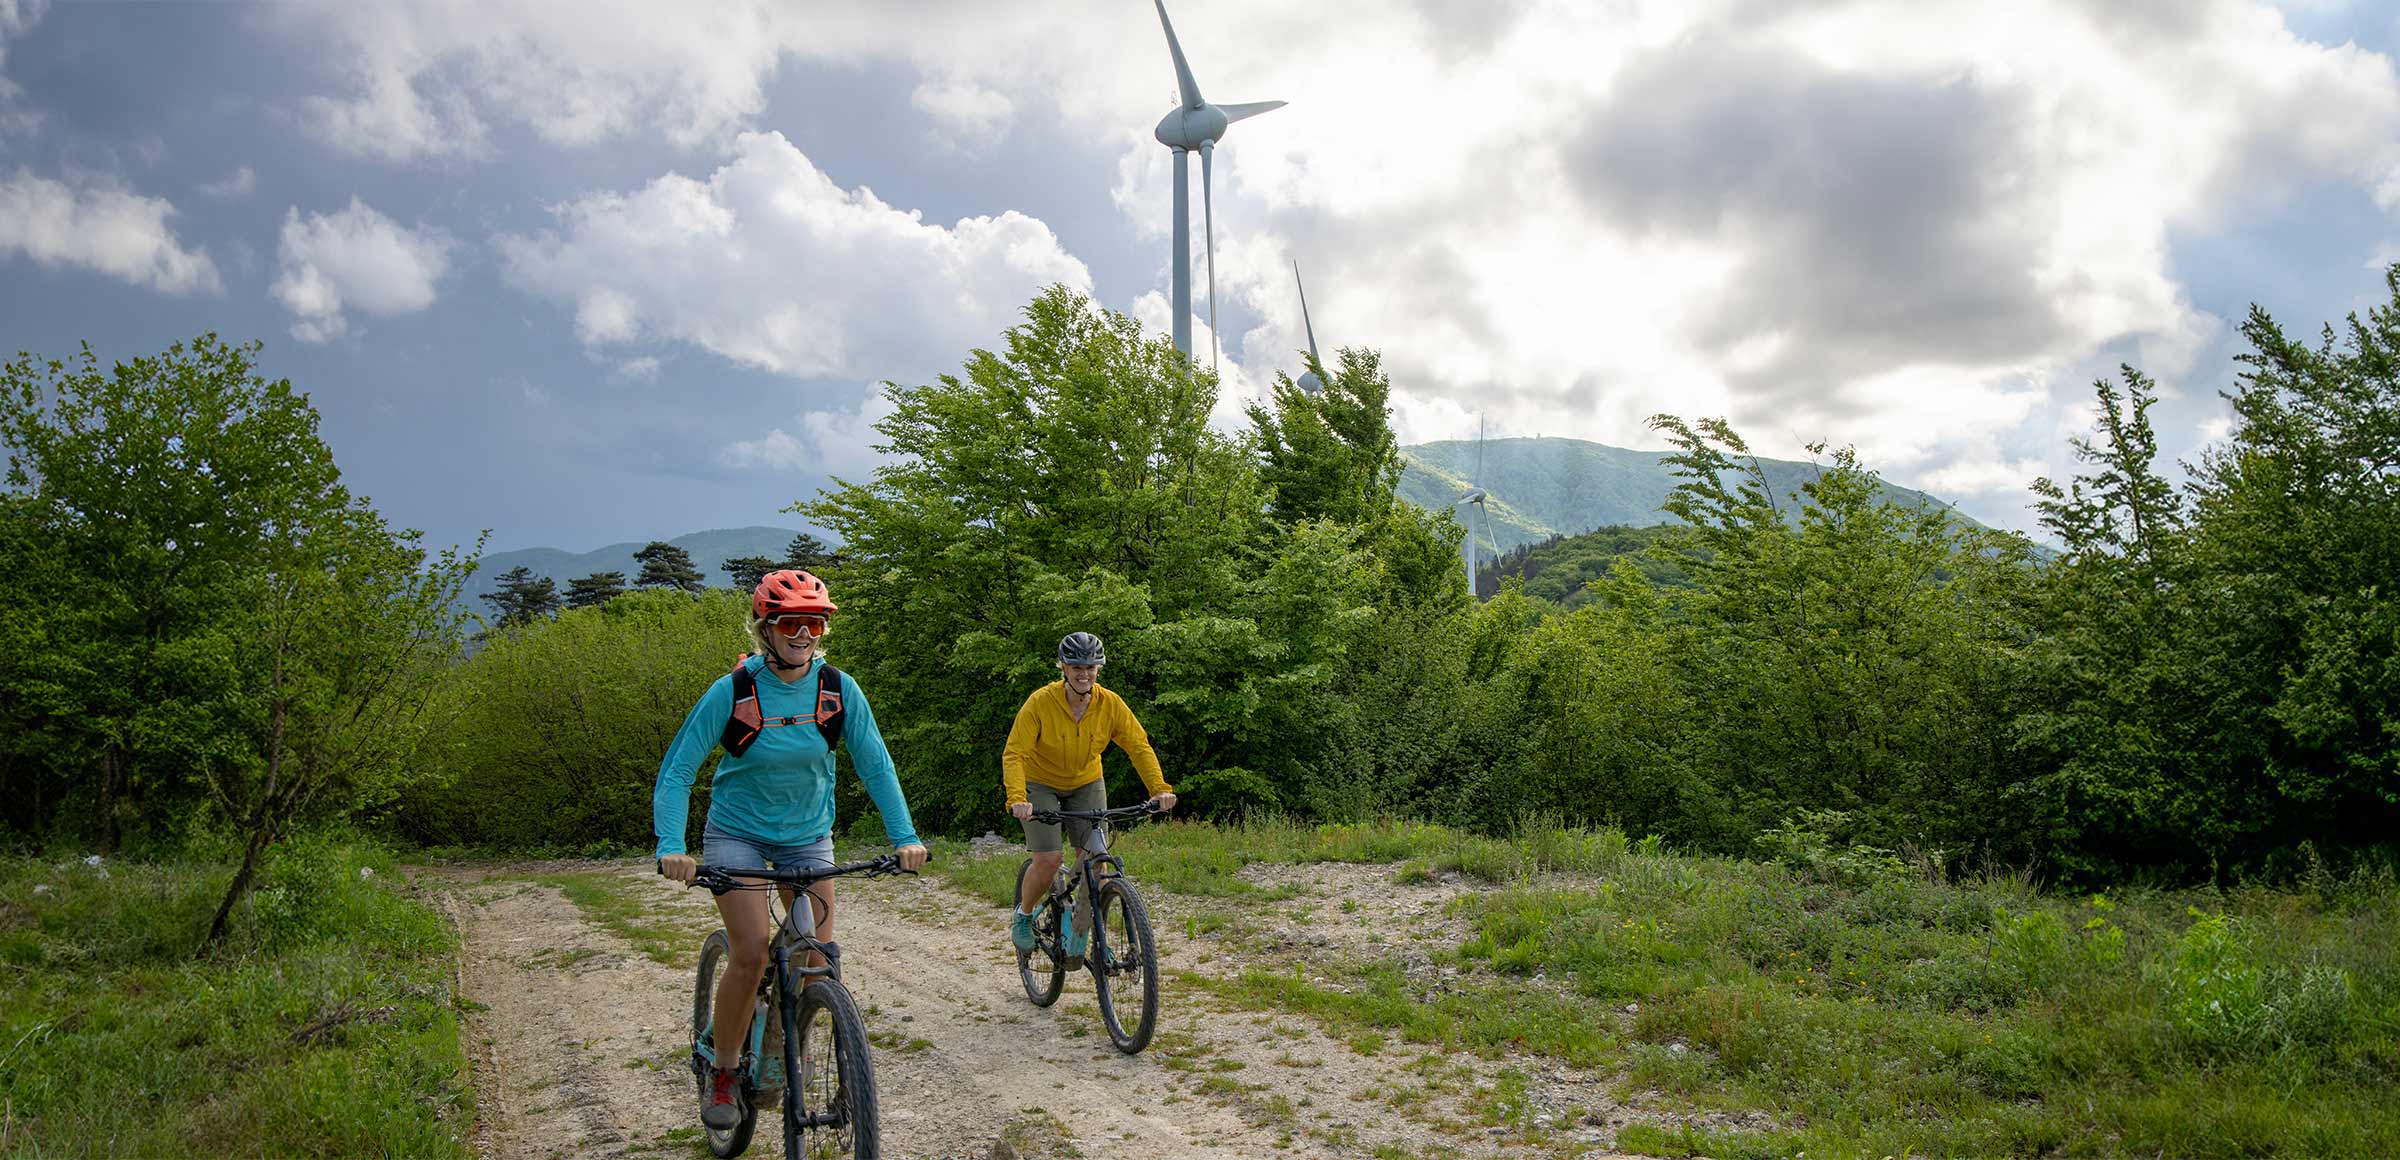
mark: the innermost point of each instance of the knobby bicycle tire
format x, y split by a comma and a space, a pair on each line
1127, 967
1039, 969
714, 954
828, 1051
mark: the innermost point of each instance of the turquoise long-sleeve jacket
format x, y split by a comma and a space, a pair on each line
780, 791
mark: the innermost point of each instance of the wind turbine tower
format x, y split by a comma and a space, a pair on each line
1309, 382
1478, 516
1195, 124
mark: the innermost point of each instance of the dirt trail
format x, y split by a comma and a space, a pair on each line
579, 1040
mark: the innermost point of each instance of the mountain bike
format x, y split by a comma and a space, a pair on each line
827, 1080
1120, 954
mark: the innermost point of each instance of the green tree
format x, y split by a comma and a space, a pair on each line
1068, 481
2300, 522
1857, 658
145, 495
746, 570
523, 598
807, 553
594, 590
228, 636
346, 636
551, 737
2218, 681
1331, 455
666, 566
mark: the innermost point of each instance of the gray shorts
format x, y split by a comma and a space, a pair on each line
1045, 838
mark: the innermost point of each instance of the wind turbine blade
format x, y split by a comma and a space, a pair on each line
1304, 323
1249, 109
1183, 72
1208, 218
1478, 480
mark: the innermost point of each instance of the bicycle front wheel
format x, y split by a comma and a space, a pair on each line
1124, 963
714, 955
1039, 968
835, 1079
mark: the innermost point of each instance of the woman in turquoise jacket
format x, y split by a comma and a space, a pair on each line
770, 803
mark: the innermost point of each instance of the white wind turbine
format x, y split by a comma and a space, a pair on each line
1478, 516
1309, 382
1195, 124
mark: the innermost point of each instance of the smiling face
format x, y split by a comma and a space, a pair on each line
790, 638
1080, 678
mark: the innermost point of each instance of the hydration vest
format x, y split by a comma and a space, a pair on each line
746, 723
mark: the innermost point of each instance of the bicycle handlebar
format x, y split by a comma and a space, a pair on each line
1053, 817
723, 879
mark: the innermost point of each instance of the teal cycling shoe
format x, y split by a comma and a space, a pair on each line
1020, 932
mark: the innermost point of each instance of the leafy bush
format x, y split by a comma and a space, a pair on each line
2222, 999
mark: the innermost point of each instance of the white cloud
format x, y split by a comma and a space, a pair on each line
967, 115
830, 443
425, 79
1443, 172
770, 264
355, 258
240, 183
121, 234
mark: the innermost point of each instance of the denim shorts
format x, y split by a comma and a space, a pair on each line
718, 848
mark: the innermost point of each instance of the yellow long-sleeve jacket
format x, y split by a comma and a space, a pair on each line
1050, 746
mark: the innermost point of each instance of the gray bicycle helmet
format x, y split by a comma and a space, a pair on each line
1081, 648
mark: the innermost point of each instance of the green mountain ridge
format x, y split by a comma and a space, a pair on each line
1541, 487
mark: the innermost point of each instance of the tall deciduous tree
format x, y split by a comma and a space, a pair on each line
1068, 481
1853, 658
2219, 683
666, 566
224, 625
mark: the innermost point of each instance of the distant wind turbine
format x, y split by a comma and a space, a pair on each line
1309, 382
1195, 124
1478, 516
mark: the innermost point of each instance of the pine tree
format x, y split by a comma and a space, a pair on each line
666, 566
746, 570
807, 552
594, 590
523, 597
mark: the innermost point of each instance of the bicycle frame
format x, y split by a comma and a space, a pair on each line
787, 973
1093, 862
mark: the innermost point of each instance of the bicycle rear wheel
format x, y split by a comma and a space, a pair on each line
1125, 969
714, 955
1039, 968
834, 1078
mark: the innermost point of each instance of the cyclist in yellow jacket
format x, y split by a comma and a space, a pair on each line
1053, 762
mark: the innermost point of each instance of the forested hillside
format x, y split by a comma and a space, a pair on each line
1561, 487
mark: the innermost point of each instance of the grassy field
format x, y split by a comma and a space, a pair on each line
1866, 1005
325, 1028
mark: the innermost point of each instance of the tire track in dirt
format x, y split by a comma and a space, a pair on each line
579, 1042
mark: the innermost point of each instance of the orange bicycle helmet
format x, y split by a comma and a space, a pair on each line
790, 590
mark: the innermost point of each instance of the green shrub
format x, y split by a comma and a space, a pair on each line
2222, 999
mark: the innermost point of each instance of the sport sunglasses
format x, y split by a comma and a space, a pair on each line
790, 624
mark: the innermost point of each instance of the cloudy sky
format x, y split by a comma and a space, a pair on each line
584, 272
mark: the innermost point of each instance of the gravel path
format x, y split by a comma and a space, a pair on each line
577, 1039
